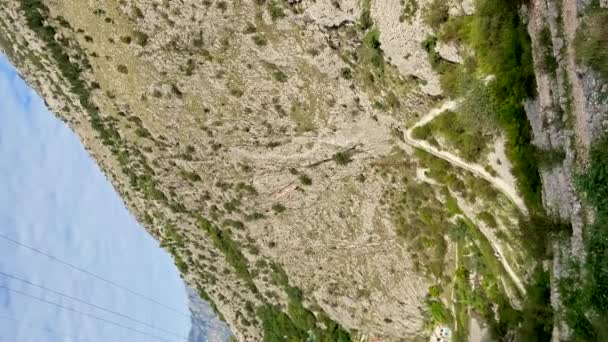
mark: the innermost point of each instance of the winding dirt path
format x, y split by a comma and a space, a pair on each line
502, 185
498, 251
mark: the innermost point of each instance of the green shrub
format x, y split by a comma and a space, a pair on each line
299, 321
488, 219
592, 40
586, 294
422, 132
430, 46
365, 21
462, 133
346, 73
594, 181
436, 13
122, 69
259, 39
142, 132
280, 76
275, 10
278, 208
438, 313
301, 317
191, 176
229, 247
141, 38
342, 158
305, 179
409, 9
179, 262
370, 51
278, 327
372, 39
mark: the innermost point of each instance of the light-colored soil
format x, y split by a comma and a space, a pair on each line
500, 163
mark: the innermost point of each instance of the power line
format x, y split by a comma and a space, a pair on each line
79, 269
85, 314
92, 305
48, 330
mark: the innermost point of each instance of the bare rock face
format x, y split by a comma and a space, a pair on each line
402, 39
571, 111
334, 14
205, 327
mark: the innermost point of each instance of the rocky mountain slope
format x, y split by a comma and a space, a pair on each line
282, 152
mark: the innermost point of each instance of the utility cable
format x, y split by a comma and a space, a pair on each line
85, 314
10, 276
79, 269
48, 330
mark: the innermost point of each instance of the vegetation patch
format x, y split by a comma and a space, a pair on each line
511, 63
436, 13
275, 9
585, 291
342, 158
365, 21
503, 50
230, 248
299, 323
592, 40
470, 140
409, 9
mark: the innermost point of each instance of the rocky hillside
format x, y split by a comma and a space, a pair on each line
343, 169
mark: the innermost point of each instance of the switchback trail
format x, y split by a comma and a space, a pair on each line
503, 186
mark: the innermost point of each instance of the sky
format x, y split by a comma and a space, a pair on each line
53, 197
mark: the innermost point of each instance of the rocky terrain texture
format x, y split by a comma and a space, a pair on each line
269, 146
569, 114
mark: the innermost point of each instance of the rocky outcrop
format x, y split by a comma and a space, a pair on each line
205, 324
402, 41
